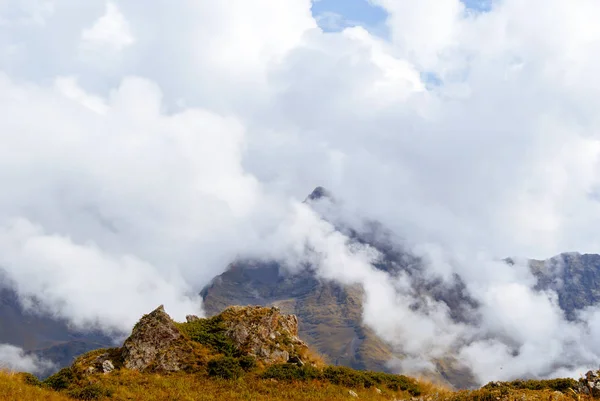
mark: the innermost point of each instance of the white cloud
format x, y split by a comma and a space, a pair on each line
15, 359
245, 106
25, 12
111, 30
68, 86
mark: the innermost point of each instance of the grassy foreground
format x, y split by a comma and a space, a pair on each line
129, 385
14, 388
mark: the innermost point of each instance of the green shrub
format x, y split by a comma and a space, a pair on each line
225, 367
347, 377
342, 376
90, 392
396, 382
30, 379
354, 378
475, 395
562, 385
60, 380
290, 372
211, 332
247, 362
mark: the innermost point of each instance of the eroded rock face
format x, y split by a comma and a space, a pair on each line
156, 344
265, 333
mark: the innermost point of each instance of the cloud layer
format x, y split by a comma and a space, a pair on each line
15, 359
139, 158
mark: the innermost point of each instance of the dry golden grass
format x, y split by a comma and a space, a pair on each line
12, 388
129, 385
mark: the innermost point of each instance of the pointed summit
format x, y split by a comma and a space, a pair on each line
156, 344
319, 193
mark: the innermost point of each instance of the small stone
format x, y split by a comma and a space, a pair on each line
296, 359
352, 394
378, 391
107, 366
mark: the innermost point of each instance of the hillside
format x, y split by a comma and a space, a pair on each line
244, 353
257, 344
135, 386
330, 315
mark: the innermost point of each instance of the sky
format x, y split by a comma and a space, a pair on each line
335, 15
144, 147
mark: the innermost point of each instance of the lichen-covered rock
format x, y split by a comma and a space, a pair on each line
107, 366
265, 333
192, 318
156, 344
590, 384
98, 361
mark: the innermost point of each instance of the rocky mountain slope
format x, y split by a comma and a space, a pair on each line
251, 342
331, 313
574, 277
330, 316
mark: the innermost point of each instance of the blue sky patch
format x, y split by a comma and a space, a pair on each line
335, 15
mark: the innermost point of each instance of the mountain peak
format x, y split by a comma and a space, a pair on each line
152, 344
319, 193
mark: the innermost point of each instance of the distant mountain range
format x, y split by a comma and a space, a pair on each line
330, 314
574, 277
45, 336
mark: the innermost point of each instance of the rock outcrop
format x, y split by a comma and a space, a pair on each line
98, 361
264, 333
160, 345
156, 344
590, 384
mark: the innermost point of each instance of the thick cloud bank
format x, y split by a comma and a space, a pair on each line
15, 359
146, 146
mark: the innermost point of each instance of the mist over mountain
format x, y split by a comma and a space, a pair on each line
333, 314
147, 147
41, 335
343, 318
